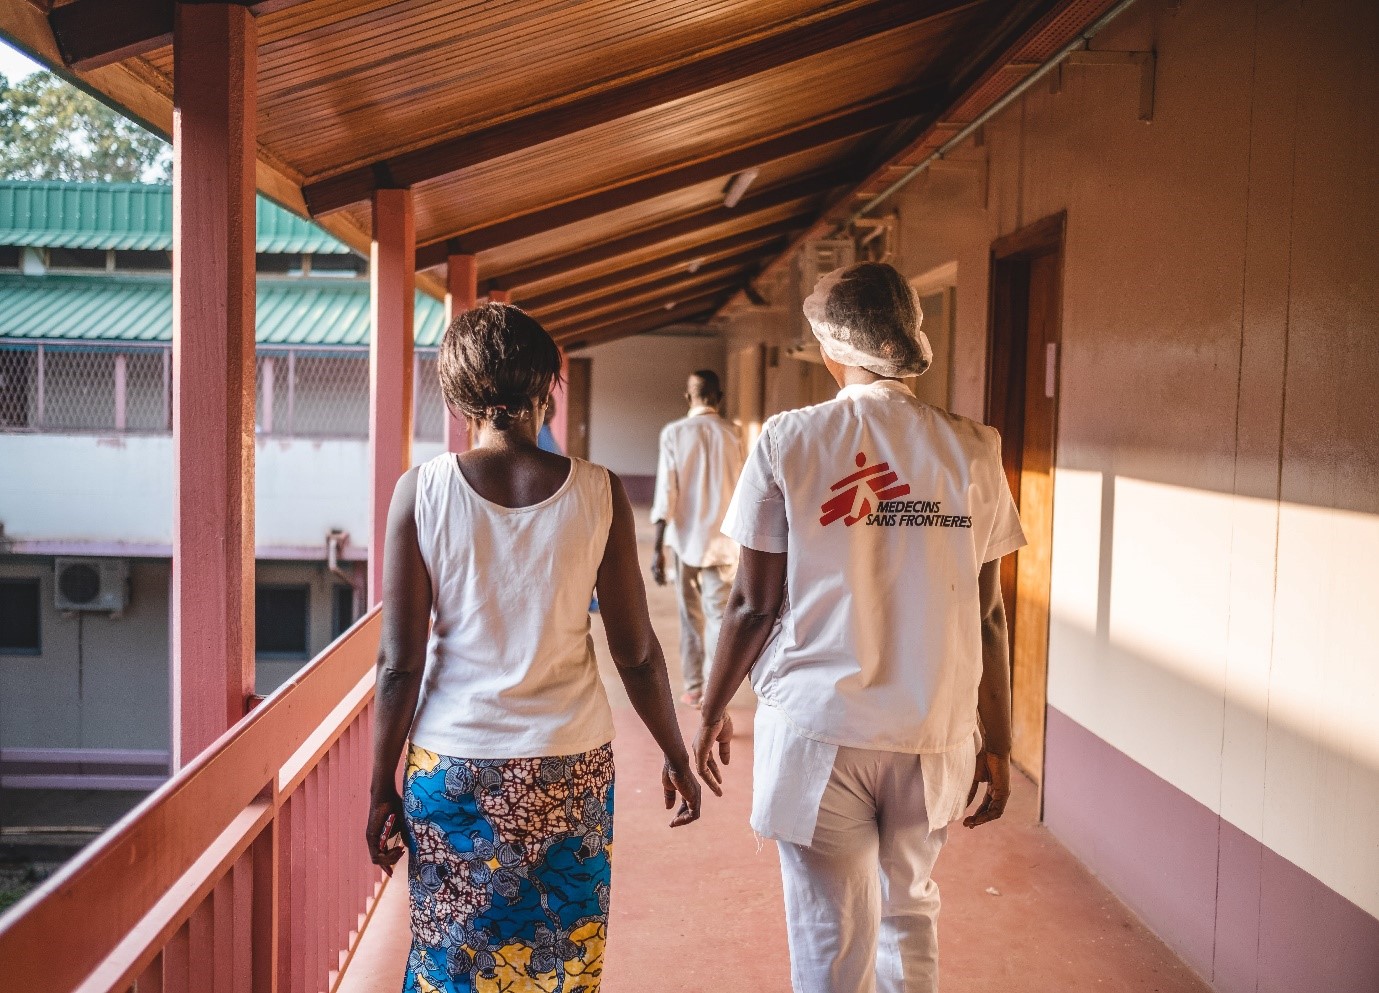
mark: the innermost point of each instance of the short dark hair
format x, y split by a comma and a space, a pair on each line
709, 385
496, 362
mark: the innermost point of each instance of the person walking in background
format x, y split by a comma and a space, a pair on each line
700, 460
487, 666
872, 528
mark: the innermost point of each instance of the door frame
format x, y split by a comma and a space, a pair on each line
1007, 404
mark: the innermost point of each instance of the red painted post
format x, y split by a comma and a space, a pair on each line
392, 272
461, 293
213, 372
500, 296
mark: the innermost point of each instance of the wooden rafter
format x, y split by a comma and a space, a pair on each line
820, 131
637, 322
704, 71
95, 33
640, 274
680, 282
803, 188
668, 300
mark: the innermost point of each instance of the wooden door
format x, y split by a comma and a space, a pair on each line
1027, 274
578, 378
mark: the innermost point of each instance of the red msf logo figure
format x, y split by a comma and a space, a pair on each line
879, 479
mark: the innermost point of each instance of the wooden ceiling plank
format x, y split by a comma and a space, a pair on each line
720, 67
637, 275
95, 33
726, 271
574, 261
820, 131
654, 314
806, 187
660, 298
604, 333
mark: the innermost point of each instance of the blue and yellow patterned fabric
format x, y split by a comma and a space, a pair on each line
509, 870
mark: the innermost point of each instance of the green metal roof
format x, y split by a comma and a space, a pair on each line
130, 216
123, 309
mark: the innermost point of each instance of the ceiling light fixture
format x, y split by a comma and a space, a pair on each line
737, 186
695, 265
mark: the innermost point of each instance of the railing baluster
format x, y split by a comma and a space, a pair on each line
242, 924
267, 930
312, 918
151, 979
177, 966
221, 903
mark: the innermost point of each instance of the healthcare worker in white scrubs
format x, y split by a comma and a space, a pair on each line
868, 610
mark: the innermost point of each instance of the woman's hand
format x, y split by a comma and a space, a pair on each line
994, 770
678, 780
720, 731
385, 824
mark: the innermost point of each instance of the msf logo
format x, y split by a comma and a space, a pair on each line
878, 478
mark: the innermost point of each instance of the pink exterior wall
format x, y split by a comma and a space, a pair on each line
1217, 485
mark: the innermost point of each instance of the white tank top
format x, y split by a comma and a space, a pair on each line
510, 667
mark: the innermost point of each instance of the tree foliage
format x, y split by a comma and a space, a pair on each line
51, 130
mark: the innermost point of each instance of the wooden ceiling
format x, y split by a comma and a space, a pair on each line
580, 150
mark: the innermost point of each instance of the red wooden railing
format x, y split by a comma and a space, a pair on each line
246, 871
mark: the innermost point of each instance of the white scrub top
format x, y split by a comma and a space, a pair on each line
700, 459
887, 508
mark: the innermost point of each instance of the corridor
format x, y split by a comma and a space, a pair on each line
698, 909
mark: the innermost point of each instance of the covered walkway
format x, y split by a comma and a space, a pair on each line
1143, 234
699, 910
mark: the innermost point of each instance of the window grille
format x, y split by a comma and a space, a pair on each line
429, 410
78, 390
18, 395
300, 392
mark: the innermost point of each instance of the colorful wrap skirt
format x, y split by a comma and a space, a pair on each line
509, 868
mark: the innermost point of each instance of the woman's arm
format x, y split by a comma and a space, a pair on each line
637, 654
753, 607
401, 661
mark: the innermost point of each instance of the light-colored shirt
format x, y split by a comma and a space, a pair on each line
700, 460
887, 508
510, 667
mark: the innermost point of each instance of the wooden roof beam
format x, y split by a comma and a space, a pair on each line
603, 333
638, 325
812, 134
664, 298
643, 318
734, 271
682, 302
638, 275
807, 187
95, 33
718, 66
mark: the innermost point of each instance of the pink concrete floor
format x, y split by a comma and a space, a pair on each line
699, 909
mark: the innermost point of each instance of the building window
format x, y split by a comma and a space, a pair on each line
20, 617
77, 258
338, 265
341, 609
143, 261
10, 256
280, 621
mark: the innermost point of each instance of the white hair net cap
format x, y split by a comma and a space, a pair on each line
838, 340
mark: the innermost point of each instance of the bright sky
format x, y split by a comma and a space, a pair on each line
13, 64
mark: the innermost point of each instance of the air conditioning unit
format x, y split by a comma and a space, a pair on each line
92, 585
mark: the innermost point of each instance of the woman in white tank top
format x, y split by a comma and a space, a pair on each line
487, 666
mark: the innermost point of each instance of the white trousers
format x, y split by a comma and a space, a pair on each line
703, 598
861, 909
